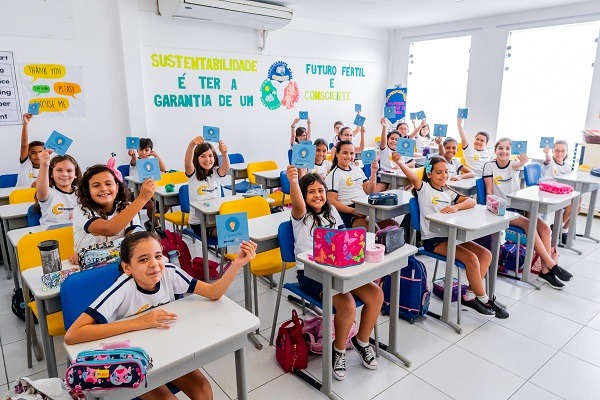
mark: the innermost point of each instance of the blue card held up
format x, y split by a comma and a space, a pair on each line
309, 142
420, 115
358, 107
440, 130
303, 155
413, 116
132, 142
405, 147
518, 147
303, 115
211, 134
546, 141
463, 113
33, 108
389, 112
148, 169
368, 156
232, 229
59, 143
359, 120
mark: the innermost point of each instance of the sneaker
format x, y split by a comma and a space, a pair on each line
562, 274
563, 238
499, 311
339, 365
367, 354
477, 305
550, 279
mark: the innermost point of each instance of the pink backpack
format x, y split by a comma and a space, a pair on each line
171, 241
555, 187
313, 330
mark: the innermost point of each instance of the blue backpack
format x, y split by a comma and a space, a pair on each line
508, 257
414, 294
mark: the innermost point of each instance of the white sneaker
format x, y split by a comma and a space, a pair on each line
339, 365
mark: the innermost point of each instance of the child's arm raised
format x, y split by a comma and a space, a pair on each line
112, 227
522, 159
133, 154
441, 150
416, 131
370, 185
293, 131
308, 133
188, 161
24, 150
546, 155
215, 290
298, 206
409, 172
42, 182
463, 137
224, 167
361, 146
383, 141
161, 164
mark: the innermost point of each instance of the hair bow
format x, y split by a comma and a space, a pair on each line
111, 164
428, 166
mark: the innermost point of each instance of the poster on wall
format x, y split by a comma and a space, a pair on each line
57, 88
396, 97
10, 106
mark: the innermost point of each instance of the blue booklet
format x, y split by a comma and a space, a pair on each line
368, 156
389, 112
463, 113
546, 141
303, 115
518, 147
148, 168
309, 142
440, 130
420, 115
359, 120
358, 107
132, 142
413, 116
59, 143
405, 147
232, 229
211, 134
33, 108
303, 155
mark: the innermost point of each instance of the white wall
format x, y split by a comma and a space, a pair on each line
109, 38
488, 46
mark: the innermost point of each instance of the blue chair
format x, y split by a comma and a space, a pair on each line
290, 156
285, 185
33, 215
415, 220
285, 236
124, 170
532, 174
243, 186
8, 180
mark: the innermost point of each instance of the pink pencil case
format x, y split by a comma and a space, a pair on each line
555, 187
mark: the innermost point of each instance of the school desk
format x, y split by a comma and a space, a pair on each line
268, 179
394, 178
5, 192
13, 237
190, 343
237, 171
166, 199
379, 212
343, 280
537, 202
466, 226
13, 216
466, 187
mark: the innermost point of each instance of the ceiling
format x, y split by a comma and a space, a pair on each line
398, 14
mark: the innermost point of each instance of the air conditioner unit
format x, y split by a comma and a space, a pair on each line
245, 13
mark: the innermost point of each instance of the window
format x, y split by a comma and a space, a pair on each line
437, 79
546, 84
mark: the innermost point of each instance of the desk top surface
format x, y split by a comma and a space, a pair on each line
33, 279
265, 227
238, 166
535, 195
403, 199
5, 192
270, 174
162, 191
14, 210
468, 183
395, 172
579, 176
15, 235
472, 219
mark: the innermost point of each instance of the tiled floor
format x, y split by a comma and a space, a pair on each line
549, 348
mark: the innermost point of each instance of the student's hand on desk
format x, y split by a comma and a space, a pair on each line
247, 252
156, 319
148, 189
222, 148
450, 209
74, 259
292, 174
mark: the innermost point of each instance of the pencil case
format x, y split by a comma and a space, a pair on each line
383, 199
555, 187
495, 204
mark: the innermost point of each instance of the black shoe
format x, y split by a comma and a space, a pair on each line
477, 305
499, 311
563, 238
562, 274
550, 279
338, 364
366, 354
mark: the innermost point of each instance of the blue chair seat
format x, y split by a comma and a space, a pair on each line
243, 186
517, 230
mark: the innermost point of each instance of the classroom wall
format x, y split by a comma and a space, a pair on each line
488, 45
113, 40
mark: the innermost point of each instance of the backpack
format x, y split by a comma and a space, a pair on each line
313, 331
17, 304
508, 257
171, 241
414, 295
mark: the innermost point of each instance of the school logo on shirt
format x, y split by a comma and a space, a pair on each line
498, 180
476, 157
437, 200
202, 190
60, 208
143, 308
31, 175
555, 171
350, 181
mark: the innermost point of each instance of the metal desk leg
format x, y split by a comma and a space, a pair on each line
590, 216
248, 303
204, 246
327, 344
372, 226
161, 210
573, 221
4, 245
531, 229
395, 299
493, 270
46, 339
450, 259
240, 374
12, 256
555, 233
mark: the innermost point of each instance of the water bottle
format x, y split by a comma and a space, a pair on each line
173, 256
50, 256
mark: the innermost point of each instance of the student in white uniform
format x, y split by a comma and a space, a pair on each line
346, 182
147, 282
421, 135
310, 209
322, 164
557, 165
477, 154
29, 157
103, 212
299, 134
434, 196
447, 149
204, 174
502, 177
387, 147
56, 183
